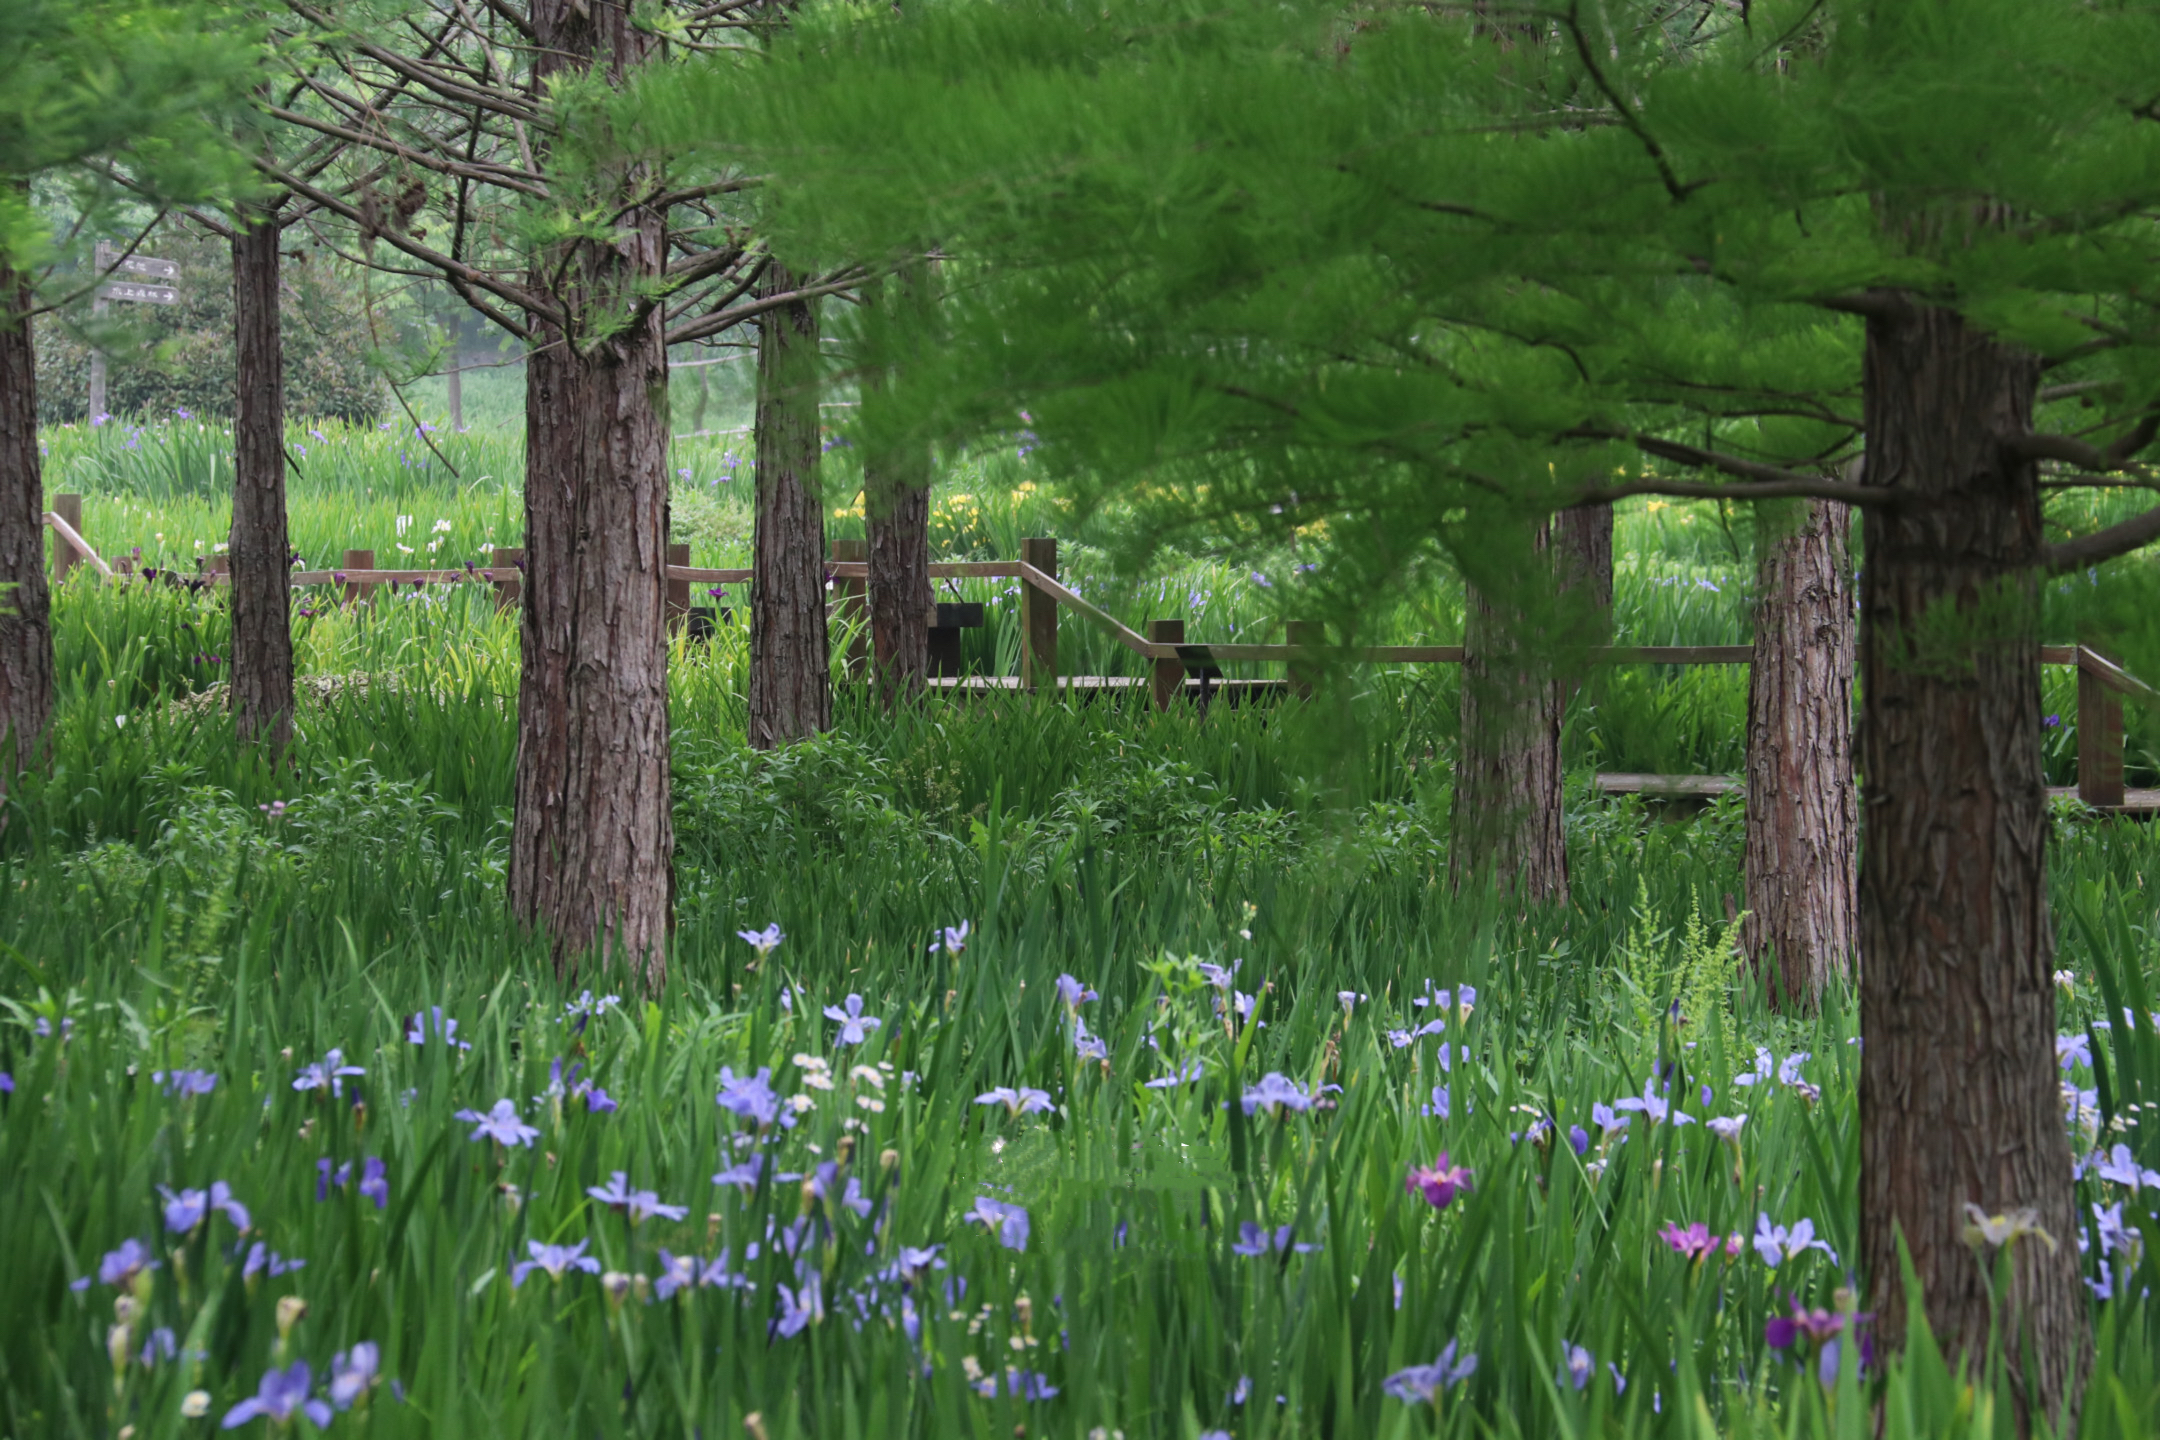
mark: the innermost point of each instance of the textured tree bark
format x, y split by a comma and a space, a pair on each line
26, 652
591, 856
901, 600
1802, 842
262, 649
790, 648
1959, 1098
1582, 548
1507, 818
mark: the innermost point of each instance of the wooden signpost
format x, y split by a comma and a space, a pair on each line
132, 278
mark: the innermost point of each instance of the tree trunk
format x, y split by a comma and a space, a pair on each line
896, 494
261, 555
790, 650
1506, 824
1959, 1097
454, 384
591, 851
1582, 548
901, 599
1803, 823
26, 651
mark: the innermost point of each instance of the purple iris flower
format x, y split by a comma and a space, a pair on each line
855, 1027
1088, 1047
1073, 993
822, 1181
353, 1372
2122, 1168
1184, 1075
1021, 1101
7, 1083
329, 1073
799, 1308
1422, 1382
1255, 1240
676, 1272
161, 1345
955, 939
1577, 1365
120, 1267
189, 1208
599, 1102
261, 1257
1440, 1107
743, 1172
1578, 1139
750, 1096
1776, 1244
180, 1084
282, 1395
1278, 1092
1653, 1105
1028, 1385
1219, 977
555, 1259
763, 941
1009, 1221
432, 1023
639, 1205
500, 1124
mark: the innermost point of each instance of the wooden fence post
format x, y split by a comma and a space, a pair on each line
2100, 736
854, 606
678, 591
64, 558
1038, 620
358, 589
1169, 674
1310, 634
509, 581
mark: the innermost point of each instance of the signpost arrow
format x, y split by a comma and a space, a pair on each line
138, 269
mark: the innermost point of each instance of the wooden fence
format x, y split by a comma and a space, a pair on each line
2102, 684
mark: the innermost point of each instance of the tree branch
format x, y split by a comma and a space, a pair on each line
2101, 545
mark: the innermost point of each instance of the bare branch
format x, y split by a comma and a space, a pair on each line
2131, 534
480, 173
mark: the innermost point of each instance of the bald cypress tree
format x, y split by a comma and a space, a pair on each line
1421, 286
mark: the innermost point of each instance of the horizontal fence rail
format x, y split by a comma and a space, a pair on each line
2102, 683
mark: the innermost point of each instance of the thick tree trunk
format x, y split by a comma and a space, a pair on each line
26, 651
1959, 1097
1803, 823
591, 852
790, 650
262, 649
1507, 817
1582, 549
901, 601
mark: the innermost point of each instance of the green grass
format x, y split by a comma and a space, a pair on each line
159, 916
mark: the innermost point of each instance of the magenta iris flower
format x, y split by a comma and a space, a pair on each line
1438, 1183
500, 1124
282, 1395
1697, 1243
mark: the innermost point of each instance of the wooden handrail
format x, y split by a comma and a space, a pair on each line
81, 546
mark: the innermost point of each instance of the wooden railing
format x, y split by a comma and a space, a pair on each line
2102, 683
